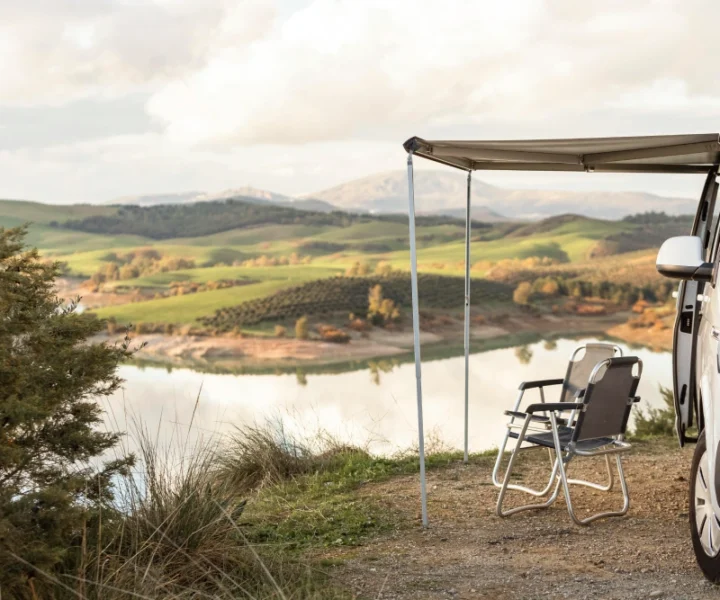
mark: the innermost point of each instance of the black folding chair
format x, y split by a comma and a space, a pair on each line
582, 362
595, 427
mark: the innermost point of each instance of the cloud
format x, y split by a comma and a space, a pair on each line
55, 51
343, 69
79, 120
103, 98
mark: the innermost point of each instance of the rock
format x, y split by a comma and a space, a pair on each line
656, 594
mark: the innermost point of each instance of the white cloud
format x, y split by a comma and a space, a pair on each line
62, 50
341, 69
297, 95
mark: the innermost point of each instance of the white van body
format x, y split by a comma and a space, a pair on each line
696, 367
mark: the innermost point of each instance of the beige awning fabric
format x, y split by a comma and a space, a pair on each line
693, 153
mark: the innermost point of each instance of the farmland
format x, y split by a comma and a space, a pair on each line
237, 266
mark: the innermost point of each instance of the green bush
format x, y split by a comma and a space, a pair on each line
50, 434
654, 422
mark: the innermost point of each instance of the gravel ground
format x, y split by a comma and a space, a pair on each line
468, 552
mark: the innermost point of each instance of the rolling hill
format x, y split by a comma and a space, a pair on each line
224, 253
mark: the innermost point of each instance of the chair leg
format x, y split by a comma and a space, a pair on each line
501, 450
603, 488
521, 488
501, 453
601, 515
506, 485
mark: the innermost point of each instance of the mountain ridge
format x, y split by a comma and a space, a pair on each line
441, 193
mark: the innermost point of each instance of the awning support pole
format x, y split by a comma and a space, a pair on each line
416, 338
468, 225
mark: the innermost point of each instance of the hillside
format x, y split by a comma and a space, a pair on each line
211, 217
256, 261
445, 191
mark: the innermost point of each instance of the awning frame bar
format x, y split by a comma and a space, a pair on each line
659, 152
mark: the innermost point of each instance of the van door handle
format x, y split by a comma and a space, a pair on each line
716, 334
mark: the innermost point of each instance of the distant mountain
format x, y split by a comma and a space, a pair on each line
248, 194
440, 192
156, 199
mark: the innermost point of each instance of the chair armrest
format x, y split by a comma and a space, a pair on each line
528, 385
522, 415
553, 406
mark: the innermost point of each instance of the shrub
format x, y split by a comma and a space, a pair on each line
358, 269
280, 331
550, 288
301, 328
590, 310
383, 268
657, 421
521, 295
328, 333
358, 324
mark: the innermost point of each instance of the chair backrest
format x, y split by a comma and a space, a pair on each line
581, 364
608, 398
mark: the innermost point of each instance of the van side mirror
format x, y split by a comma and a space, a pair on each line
682, 258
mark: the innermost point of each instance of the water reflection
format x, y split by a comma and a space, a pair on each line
380, 366
378, 411
523, 354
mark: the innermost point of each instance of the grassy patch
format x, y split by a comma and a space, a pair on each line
188, 308
306, 495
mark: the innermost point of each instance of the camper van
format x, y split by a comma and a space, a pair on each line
695, 260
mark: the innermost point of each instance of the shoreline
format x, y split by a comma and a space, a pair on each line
233, 354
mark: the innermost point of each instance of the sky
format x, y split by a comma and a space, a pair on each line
103, 99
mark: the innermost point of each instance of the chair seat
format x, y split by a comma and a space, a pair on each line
565, 435
561, 428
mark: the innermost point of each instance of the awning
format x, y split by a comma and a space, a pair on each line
694, 153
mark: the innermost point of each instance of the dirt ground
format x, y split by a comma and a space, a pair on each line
468, 552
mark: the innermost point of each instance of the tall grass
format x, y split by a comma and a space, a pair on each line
228, 519
177, 531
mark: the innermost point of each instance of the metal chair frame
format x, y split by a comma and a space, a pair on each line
564, 454
543, 424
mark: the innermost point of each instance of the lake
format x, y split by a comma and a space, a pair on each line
375, 407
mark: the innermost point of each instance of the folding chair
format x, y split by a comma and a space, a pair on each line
596, 427
582, 362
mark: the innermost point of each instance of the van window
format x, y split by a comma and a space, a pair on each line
711, 249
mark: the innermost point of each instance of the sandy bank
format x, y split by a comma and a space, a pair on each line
267, 352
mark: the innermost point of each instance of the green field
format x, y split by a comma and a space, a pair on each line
190, 307
75, 235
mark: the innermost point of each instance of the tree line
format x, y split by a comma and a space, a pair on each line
207, 218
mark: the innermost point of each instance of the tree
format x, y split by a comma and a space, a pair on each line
381, 310
550, 287
129, 272
301, 328
50, 376
358, 269
383, 268
521, 295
